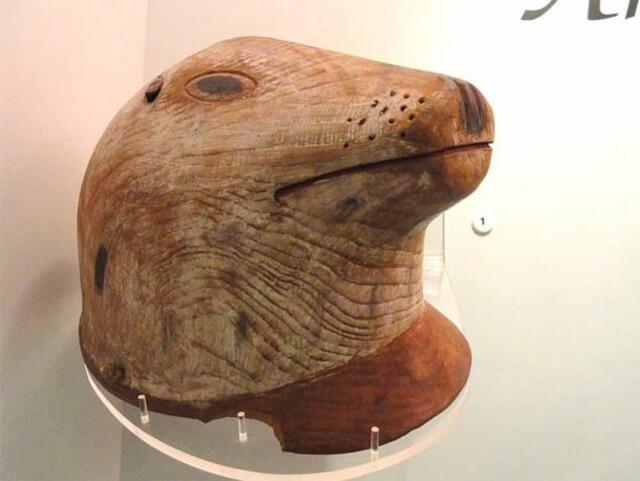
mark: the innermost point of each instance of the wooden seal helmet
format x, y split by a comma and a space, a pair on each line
250, 238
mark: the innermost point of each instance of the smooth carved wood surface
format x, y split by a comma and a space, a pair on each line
251, 229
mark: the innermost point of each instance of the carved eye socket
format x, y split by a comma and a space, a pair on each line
220, 86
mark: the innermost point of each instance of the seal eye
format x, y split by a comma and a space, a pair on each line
220, 86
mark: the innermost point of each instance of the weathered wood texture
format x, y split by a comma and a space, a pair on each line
406, 382
251, 229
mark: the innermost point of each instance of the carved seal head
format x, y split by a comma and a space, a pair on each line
253, 219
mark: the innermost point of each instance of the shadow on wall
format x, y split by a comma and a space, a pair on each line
40, 373
39, 309
51, 425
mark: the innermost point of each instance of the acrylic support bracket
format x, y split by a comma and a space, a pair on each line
144, 411
375, 443
242, 427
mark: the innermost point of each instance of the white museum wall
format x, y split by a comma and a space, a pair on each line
548, 300
67, 66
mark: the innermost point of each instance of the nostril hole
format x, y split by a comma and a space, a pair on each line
392, 93
391, 121
372, 137
100, 269
421, 100
403, 108
412, 117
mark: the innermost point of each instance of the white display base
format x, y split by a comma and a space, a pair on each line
245, 449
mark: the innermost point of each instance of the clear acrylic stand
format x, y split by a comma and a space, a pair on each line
144, 412
246, 449
374, 450
434, 250
242, 427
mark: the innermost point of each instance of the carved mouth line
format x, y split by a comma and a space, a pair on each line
364, 167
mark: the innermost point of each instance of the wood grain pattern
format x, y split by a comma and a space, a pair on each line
253, 220
412, 379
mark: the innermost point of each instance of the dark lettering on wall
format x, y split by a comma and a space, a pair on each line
533, 14
594, 13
